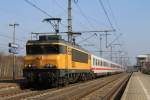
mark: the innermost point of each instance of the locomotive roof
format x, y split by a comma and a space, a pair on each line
56, 41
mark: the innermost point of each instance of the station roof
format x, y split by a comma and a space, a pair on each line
143, 56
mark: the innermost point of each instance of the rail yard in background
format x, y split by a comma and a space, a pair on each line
57, 65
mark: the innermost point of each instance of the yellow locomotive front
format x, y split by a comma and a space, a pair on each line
45, 55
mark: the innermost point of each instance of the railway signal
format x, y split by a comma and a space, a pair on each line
13, 48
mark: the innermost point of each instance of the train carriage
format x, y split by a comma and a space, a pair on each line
101, 66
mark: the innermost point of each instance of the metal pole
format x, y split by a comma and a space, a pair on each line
14, 32
111, 52
69, 21
106, 39
13, 53
100, 42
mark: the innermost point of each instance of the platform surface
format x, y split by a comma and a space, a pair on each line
138, 87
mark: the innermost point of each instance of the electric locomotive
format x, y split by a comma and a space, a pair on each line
52, 59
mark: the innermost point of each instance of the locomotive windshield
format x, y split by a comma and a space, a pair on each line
45, 49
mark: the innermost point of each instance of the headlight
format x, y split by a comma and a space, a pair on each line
29, 65
25, 65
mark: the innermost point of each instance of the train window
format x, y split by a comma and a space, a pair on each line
101, 63
45, 49
94, 61
98, 62
105, 64
79, 56
109, 64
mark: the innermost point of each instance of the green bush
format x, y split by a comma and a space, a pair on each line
146, 71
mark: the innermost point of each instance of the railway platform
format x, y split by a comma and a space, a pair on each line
138, 87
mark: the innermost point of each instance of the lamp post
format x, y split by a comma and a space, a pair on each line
14, 32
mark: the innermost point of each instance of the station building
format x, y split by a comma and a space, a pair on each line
143, 61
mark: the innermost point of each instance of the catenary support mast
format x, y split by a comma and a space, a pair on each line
69, 21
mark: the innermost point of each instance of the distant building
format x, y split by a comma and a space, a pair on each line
143, 61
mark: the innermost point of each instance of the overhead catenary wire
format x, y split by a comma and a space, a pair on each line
108, 18
86, 41
38, 8
8, 37
44, 12
41, 10
87, 38
115, 40
114, 18
84, 15
75, 1
3, 44
113, 15
103, 7
62, 8
96, 20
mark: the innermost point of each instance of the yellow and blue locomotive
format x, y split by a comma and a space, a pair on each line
52, 59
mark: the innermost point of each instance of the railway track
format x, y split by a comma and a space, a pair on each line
109, 91
7, 85
94, 89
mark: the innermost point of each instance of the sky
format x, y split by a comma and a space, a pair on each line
129, 17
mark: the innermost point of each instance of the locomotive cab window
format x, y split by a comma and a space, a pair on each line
45, 49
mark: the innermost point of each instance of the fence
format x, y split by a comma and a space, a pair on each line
6, 66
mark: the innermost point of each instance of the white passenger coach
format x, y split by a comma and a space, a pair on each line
101, 66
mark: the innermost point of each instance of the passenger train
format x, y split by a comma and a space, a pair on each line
53, 60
